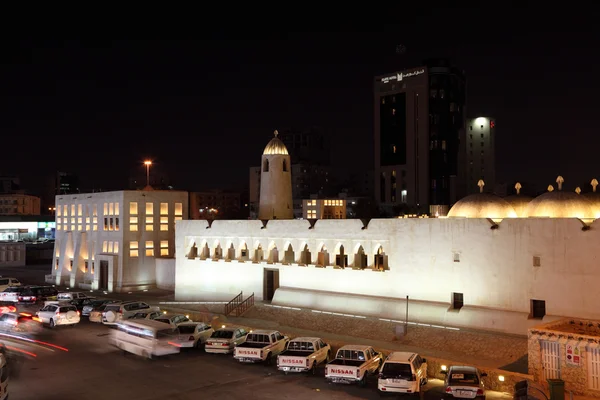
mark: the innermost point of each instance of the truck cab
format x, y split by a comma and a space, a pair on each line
261, 345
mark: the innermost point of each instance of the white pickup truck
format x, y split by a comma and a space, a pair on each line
303, 354
353, 363
261, 346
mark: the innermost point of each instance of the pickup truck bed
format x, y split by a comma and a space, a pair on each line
350, 363
295, 353
253, 345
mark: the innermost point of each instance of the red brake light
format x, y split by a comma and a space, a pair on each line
25, 314
479, 392
12, 309
448, 390
224, 344
78, 313
34, 298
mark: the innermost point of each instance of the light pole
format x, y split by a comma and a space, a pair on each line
147, 164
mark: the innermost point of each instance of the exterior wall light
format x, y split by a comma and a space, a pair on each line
501, 378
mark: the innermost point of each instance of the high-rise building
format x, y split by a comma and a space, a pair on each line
9, 184
66, 183
419, 125
480, 153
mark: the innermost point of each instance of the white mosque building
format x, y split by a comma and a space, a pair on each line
496, 264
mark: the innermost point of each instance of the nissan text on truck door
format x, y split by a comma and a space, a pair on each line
303, 354
353, 363
261, 346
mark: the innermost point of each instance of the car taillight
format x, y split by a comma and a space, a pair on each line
448, 390
191, 338
34, 298
224, 344
78, 313
357, 372
479, 392
307, 362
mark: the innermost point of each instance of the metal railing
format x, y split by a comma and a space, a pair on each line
244, 305
234, 303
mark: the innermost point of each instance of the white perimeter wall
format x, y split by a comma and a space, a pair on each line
495, 269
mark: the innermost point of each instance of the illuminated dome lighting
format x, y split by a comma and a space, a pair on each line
519, 202
560, 204
275, 147
482, 205
594, 197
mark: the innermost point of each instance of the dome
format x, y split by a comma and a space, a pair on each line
482, 205
275, 147
560, 204
518, 201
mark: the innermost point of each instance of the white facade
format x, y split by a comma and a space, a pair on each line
467, 272
110, 240
480, 152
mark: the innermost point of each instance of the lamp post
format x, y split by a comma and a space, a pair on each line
147, 164
52, 210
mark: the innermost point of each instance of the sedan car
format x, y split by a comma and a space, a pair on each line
224, 340
59, 314
174, 320
464, 382
193, 334
86, 306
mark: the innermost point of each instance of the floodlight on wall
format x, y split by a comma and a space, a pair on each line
444, 368
501, 378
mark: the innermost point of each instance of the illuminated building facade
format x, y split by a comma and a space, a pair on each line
480, 152
110, 240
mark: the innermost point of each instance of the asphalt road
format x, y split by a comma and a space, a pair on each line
93, 369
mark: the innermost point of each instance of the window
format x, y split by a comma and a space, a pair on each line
284, 166
105, 246
65, 210
110, 247
105, 223
116, 224
116, 248
58, 211
164, 208
133, 249
457, 301
149, 208
179, 209
95, 212
133, 208
164, 247
537, 262
105, 208
110, 224
79, 209
72, 209
538, 309
149, 248
111, 209
266, 166
456, 257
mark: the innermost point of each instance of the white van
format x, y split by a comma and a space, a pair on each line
3, 377
8, 282
145, 337
402, 372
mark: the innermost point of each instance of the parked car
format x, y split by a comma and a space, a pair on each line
96, 314
6, 282
146, 315
402, 372
88, 305
59, 314
303, 354
224, 340
174, 320
67, 296
11, 294
464, 382
20, 323
353, 363
192, 334
261, 346
43, 293
115, 312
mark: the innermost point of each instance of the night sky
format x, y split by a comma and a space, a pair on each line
204, 110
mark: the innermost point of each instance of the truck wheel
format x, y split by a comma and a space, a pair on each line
363, 381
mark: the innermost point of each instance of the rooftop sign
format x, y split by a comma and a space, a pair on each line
401, 75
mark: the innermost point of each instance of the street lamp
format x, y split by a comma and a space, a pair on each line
148, 164
52, 210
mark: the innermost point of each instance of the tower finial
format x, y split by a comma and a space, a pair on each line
578, 190
560, 181
276, 133
594, 183
550, 188
518, 187
481, 184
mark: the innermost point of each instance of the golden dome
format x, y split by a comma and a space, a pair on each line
276, 147
482, 205
560, 204
519, 201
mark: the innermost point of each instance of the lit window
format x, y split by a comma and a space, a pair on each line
105, 224
72, 209
87, 228
72, 227
110, 225
164, 247
87, 220
164, 208
95, 214
164, 220
65, 210
149, 228
95, 227
58, 211
164, 228
111, 209
79, 212
133, 249
78, 227
116, 208
110, 247
72, 220
149, 208
149, 220
177, 219
178, 209
58, 220
133, 227
58, 227
116, 248
133, 208
104, 246
79, 220
116, 224
149, 248
105, 208
133, 220
95, 220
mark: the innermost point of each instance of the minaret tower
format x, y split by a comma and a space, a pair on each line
275, 182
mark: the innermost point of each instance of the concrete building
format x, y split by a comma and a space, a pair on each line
66, 183
480, 153
419, 125
324, 208
19, 204
9, 184
215, 204
12, 254
275, 182
111, 240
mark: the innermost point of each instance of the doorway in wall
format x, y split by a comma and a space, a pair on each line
271, 283
103, 278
